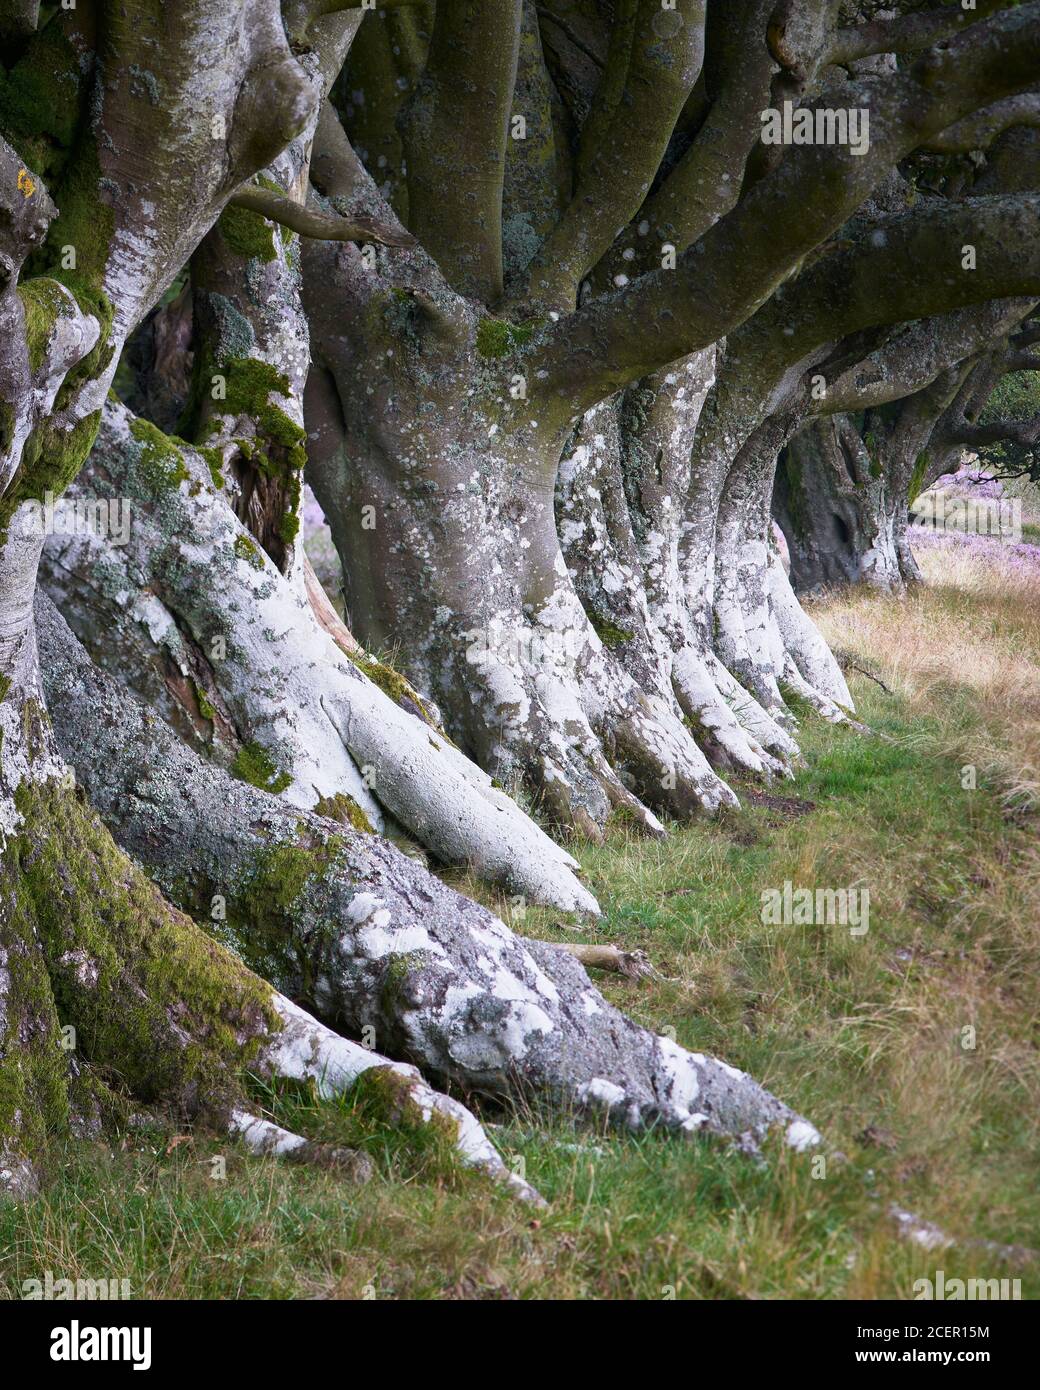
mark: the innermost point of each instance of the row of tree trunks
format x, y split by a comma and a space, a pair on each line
439, 408
846, 483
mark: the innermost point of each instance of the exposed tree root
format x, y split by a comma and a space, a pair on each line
305, 1050
343, 921
158, 1013
264, 1138
277, 677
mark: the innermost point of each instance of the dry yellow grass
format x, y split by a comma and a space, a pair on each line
970, 634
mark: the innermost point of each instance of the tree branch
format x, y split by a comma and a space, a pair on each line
634, 965
1023, 362
913, 359
913, 272
308, 222
623, 149
19, 17
1025, 433
911, 33
740, 261
979, 130
707, 180
341, 178
301, 15
454, 128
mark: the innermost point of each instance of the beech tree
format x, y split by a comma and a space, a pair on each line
522, 289
846, 482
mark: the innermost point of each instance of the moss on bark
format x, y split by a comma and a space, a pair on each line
283, 885
43, 304
50, 460
41, 101
247, 233
34, 1071
343, 808
161, 1011
498, 337
391, 683
252, 763
162, 463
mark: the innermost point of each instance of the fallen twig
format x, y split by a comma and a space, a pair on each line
634, 965
870, 676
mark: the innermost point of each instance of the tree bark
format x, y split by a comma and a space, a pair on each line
299, 716
842, 521
369, 941
439, 489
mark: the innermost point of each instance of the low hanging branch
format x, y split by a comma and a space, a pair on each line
320, 226
1024, 433
905, 34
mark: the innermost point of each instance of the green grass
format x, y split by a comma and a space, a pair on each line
861, 1034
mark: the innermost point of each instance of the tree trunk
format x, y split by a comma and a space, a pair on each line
842, 518
34, 1095
762, 632
597, 672
439, 490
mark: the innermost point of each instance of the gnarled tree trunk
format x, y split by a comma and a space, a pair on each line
844, 520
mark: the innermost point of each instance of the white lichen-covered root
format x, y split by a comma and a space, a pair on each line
557, 709
265, 1139
752, 716
620, 541
803, 642
376, 942
770, 640
305, 1050
283, 679
729, 724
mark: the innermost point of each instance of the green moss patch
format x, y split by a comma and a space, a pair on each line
264, 910
40, 101
253, 764
345, 810
248, 550
608, 633
161, 462
43, 302
917, 477
50, 460
214, 461
247, 234
390, 682
250, 384
160, 1010
498, 338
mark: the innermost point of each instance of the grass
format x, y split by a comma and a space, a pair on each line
865, 1035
